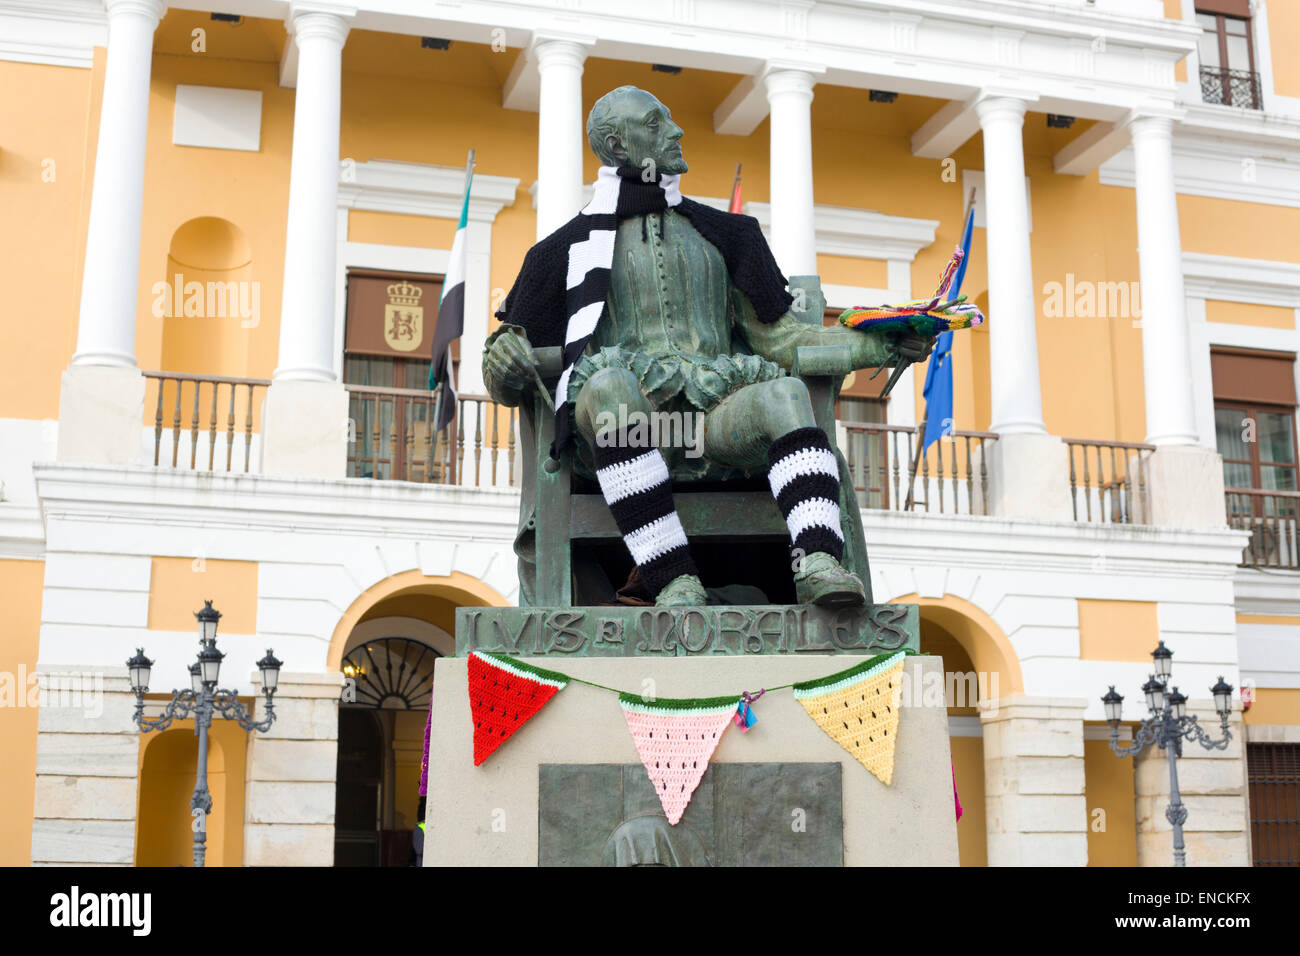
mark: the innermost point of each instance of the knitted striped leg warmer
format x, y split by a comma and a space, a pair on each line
635, 483
805, 480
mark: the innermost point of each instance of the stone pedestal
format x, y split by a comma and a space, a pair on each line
1184, 487
1034, 801
290, 788
1212, 785
1029, 477
784, 792
305, 429
101, 415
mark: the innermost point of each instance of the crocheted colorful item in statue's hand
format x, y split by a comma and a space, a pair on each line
858, 708
924, 317
503, 694
675, 739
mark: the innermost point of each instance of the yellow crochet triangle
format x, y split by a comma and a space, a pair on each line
858, 709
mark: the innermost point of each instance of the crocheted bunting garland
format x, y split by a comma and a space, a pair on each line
858, 709
675, 739
424, 761
503, 694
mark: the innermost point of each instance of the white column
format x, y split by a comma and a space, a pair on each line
101, 395
307, 305
1017, 401
1028, 468
1183, 479
305, 426
789, 97
561, 130
1166, 354
106, 330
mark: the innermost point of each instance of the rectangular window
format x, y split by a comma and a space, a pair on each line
1255, 433
1226, 52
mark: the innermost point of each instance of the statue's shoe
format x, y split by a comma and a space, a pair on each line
824, 581
685, 589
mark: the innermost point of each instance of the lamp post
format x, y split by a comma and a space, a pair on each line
205, 702
1167, 727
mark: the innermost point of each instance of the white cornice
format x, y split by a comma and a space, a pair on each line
22, 533
343, 507
416, 189
53, 32
861, 233
1233, 279
1020, 545
901, 45
1253, 159
1268, 592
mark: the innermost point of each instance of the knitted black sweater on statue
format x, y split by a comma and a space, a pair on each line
537, 300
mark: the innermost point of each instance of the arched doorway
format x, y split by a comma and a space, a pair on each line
386, 645
382, 714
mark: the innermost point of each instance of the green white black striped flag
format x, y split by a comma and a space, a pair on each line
451, 315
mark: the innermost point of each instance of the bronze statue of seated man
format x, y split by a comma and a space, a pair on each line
672, 312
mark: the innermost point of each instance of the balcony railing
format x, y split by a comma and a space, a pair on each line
393, 438
1108, 480
1271, 519
950, 478
205, 417
1230, 87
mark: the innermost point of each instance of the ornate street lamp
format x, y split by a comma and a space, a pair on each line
1167, 728
205, 702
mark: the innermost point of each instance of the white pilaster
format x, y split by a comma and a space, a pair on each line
561, 129
789, 96
106, 329
307, 306
304, 416
1017, 401
1166, 356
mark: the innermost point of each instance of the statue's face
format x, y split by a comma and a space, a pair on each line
647, 133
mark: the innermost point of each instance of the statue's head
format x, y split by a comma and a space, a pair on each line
628, 126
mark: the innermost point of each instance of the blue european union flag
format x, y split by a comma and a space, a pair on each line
938, 375
938, 391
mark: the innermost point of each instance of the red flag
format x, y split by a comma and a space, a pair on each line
735, 192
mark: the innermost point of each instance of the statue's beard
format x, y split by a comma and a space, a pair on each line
668, 166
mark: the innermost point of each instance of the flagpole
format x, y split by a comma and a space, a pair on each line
438, 398
735, 184
920, 432
916, 460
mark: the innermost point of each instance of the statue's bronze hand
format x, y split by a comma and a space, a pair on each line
509, 361
910, 346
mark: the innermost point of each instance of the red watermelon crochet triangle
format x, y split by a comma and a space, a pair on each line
503, 694
675, 739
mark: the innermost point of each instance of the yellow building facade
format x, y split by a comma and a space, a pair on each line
193, 405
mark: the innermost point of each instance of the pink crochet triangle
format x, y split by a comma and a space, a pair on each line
675, 744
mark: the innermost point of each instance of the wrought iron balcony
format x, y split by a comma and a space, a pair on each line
1272, 519
1231, 87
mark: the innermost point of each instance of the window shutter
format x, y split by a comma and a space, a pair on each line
1245, 375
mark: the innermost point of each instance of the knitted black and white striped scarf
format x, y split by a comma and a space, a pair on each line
619, 193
